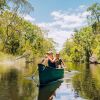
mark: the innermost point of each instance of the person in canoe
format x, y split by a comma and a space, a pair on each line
49, 60
58, 61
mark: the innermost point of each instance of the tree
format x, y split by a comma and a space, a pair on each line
81, 46
94, 17
3, 5
94, 12
23, 6
18, 36
85, 39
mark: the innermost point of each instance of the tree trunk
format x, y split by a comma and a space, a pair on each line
87, 54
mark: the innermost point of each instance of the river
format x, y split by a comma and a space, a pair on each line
82, 82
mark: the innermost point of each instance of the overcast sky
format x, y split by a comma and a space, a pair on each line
60, 17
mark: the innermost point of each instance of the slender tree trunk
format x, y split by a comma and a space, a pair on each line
87, 55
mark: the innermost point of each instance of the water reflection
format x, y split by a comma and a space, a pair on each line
9, 85
63, 92
86, 85
82, 83
48, 92
13, 86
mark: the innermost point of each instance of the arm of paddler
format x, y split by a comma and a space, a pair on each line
44, 61
52, 60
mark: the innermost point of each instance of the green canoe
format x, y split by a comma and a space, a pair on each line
49, 74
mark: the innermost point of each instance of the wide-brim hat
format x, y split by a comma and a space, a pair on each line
57, 53
49, 52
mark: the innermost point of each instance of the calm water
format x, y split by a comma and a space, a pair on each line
82, 83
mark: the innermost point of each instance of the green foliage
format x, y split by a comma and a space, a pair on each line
18, 36
22, 6
2, 4
94, 12
85, 43
80, 48
85, 40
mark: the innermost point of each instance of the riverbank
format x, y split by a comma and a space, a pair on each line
8, 60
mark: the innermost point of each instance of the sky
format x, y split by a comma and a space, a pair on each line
60, 17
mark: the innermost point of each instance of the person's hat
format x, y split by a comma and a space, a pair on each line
49, 52
57, 53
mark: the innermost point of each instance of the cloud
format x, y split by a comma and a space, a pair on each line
63, 24
29, 18
69, 20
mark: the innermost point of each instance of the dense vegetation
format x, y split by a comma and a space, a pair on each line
85, 43
18, 36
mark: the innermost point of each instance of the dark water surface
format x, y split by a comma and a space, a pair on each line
82, 83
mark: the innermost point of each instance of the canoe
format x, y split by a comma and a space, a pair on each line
49, 74
49, 90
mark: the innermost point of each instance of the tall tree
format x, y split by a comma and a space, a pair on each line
21, 5
94, 12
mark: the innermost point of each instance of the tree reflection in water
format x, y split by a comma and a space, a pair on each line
85, 84
13, 86
9, 85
